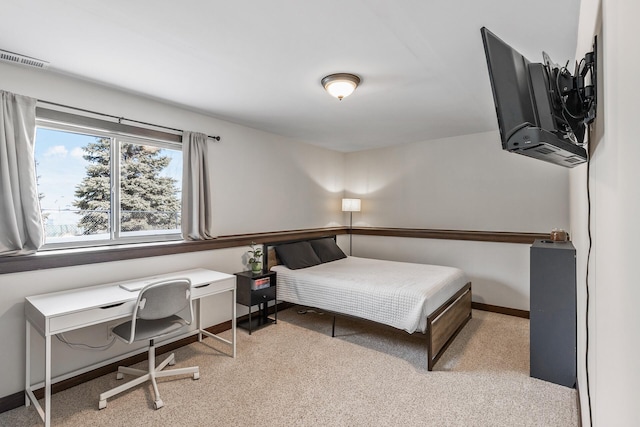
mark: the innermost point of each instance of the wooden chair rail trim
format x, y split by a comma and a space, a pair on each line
478, 236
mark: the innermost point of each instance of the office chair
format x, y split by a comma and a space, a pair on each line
161, 309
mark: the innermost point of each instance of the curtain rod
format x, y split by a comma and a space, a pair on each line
217, 138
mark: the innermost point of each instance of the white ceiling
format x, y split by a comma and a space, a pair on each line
259, 63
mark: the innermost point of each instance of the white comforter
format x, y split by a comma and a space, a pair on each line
397, 294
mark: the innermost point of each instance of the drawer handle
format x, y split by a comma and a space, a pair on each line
264, 296
112, 305
202, 286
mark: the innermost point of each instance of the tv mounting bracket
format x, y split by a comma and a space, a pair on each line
577, 93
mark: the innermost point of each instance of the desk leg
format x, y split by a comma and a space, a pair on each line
199, 320
27, 380
233, 320
47, 380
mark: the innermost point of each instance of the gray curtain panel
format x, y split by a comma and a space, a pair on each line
197, 223
21, 229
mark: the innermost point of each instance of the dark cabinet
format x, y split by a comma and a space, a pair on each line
553, 312
257, 289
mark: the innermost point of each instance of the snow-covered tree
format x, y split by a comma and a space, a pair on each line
147, 199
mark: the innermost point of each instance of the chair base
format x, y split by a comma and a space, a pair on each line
150, 375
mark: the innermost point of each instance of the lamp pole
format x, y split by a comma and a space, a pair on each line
351, 206
350, 231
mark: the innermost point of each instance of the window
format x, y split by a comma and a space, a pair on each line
100, 187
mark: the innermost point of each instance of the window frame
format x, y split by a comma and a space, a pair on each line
118, 133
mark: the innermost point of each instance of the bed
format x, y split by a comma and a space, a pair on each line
417, 298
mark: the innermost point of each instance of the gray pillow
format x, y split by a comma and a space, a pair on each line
297, 255
327, 249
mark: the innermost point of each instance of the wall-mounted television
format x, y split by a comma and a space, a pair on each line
542, 109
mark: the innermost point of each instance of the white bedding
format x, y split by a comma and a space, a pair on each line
397, 294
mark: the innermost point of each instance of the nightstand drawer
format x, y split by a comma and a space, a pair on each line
263, 295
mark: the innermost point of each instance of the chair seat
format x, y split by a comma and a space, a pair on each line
148, 329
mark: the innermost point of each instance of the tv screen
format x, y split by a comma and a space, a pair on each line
524, 100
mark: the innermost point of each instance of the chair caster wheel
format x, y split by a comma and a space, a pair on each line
102, 404
119, 376
196, 375
158, 404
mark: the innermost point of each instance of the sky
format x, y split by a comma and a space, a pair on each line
60, 168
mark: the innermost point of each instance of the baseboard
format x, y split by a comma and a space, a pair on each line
16, 400
12, 401
502, 310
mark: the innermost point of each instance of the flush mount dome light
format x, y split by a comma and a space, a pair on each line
340, 84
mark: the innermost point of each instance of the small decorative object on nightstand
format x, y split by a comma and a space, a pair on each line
257, 289
255, 258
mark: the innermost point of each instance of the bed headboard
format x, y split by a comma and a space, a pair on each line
271, 257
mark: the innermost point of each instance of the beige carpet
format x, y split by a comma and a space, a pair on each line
294, 373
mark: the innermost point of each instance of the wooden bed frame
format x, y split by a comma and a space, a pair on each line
443, 325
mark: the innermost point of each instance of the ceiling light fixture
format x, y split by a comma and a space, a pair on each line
340, 85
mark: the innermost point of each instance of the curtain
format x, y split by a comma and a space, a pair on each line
197, 223
21, 229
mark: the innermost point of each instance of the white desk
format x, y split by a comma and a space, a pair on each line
57, 312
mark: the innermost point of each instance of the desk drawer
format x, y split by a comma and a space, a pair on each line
90, 317
212, 288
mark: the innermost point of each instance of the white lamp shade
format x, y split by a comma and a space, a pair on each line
341, 89
350, 205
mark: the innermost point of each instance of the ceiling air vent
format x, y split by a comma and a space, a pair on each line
15, 58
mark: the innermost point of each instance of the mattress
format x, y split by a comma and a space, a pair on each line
397, 294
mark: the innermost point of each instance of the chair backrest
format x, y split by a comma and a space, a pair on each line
163, 299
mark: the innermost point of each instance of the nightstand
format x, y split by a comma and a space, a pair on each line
257, 289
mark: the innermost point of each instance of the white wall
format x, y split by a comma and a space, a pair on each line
590, 24
614, 342
461, 183
261, 182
